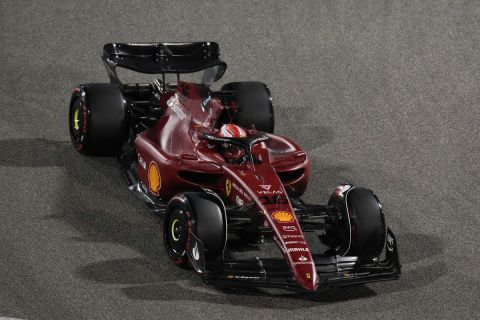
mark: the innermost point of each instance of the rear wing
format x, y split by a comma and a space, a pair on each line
162, 57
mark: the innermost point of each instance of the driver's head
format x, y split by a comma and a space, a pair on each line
232, 131
232, 153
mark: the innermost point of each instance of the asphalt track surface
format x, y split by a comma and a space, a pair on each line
384, 94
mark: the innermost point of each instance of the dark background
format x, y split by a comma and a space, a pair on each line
384, 94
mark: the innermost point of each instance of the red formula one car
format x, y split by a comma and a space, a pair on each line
209, 163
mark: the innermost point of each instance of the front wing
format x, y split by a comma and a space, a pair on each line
333, 271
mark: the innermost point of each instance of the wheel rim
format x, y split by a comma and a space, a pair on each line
342, 232
177, 234
75, 120
175, 230
342, 235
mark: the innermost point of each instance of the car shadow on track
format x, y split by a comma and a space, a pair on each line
147, 279
151, 276
100, 174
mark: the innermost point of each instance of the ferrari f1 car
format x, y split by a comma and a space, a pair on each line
209, 163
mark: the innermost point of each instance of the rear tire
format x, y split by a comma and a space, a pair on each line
97, 119
200, 213
361, 230
254, 105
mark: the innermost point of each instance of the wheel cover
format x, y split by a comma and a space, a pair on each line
177, 234
175, 230
75, 121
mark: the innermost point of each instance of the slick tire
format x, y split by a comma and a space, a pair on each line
97, 119
361, 231
200, 213
254, 105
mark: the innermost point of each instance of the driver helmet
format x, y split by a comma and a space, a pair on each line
232, 153
232, 131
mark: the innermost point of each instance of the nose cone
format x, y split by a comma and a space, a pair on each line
302, 264
307, 277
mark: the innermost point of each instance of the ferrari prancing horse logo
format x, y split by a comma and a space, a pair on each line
154, 179
228, 187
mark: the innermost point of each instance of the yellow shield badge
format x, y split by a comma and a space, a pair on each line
228, 187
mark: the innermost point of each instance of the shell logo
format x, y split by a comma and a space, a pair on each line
154, 179
228, 187
282, 216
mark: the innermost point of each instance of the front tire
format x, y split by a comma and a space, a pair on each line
200, 213
361, 230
